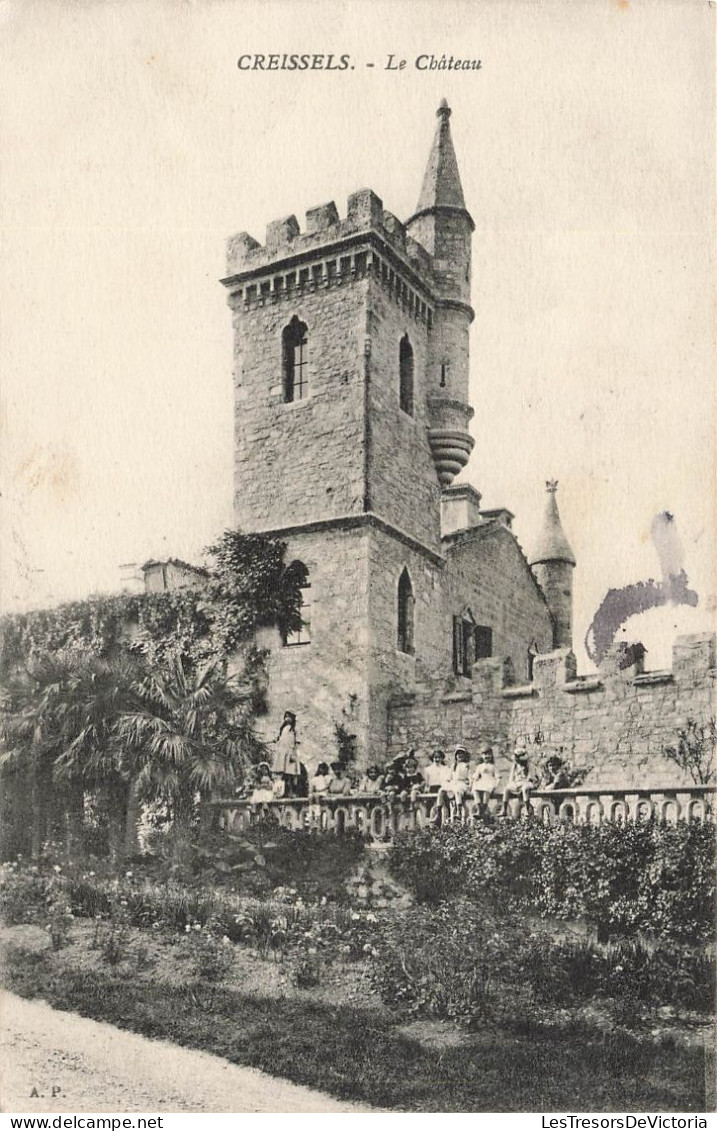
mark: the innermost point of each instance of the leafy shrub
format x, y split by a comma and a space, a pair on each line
112, 936
174, 905
58, 922
695, 751
430, 863
644, 876
460, 960
24, 894
315, 863
669, 974
210, 956
267, 924
454, 961
306, 972
88, 899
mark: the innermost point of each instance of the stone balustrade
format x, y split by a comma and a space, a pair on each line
379, 820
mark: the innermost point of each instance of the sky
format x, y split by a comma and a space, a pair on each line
133, 146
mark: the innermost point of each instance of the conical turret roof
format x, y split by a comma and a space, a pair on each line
552, 545
442, 182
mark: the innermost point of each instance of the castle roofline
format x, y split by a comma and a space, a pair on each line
477, 533
286, 243
416, 269
552, 545
464, 539
362, 520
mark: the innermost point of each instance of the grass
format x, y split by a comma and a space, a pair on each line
360, 1054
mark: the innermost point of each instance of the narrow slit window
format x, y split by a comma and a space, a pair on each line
405, 365
405, 613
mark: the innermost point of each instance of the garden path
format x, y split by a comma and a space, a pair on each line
99, 1068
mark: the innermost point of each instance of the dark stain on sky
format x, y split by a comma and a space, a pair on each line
618, 605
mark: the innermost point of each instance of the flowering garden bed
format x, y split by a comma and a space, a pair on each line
339, 984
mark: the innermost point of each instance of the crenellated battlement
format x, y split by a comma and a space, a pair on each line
368, 242
325, 236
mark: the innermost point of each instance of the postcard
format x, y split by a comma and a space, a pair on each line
358, 544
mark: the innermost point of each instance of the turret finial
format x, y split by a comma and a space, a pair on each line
444, 111
551, 486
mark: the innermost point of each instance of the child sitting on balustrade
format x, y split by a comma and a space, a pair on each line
321, 779
263, 790
436, 773
452, 796
340, 784
319, 787
520, 782
412, 782
485, 780
403, 780
393, 777
372, 781
557, 776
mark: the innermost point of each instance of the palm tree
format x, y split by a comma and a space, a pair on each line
29, 741
58, 719
92, 755
192, 734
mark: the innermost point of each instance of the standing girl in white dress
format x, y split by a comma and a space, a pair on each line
285, 757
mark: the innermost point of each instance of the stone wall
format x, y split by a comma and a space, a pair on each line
618, 722
403, 486
303, 461
324, 682
352, 669
393, 672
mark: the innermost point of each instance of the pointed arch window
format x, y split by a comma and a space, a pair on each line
405, 613
302, 635
405, 367
295, 344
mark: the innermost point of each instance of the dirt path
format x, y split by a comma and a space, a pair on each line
94, 1067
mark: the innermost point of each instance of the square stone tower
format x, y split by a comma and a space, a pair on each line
351, 413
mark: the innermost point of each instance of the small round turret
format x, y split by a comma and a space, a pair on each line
443, 226
552, 563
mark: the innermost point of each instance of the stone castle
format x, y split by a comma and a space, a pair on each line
424, 622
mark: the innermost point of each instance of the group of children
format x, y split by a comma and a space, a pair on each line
455, 786
402, 782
